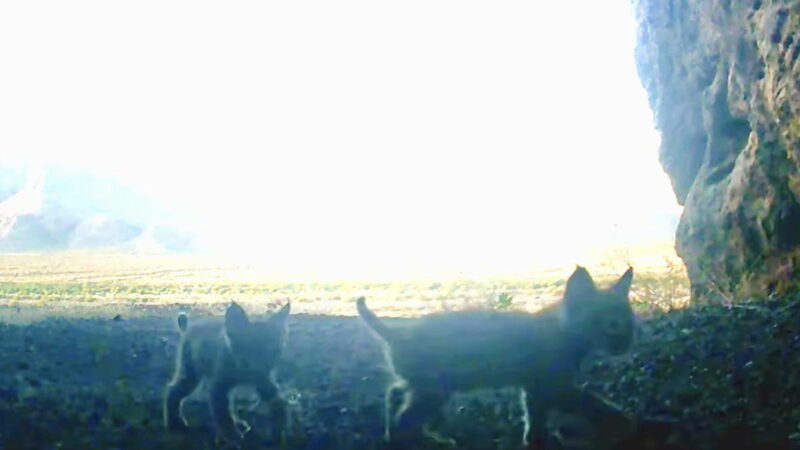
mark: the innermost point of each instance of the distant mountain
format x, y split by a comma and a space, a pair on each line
58, 209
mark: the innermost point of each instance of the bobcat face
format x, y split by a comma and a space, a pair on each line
227, 354
254, 346
601, 318
618, 333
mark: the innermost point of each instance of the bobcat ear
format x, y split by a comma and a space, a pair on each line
280, 317
623, 285
579, 284
235, 317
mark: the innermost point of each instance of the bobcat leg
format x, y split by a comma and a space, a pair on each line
391, 413
269, 394
585, 406
177, 390
233, 409
526, 417
535, 414
220, 411
422, 414
601, 412
539, 399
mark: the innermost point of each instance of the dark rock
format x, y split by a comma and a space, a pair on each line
722, 79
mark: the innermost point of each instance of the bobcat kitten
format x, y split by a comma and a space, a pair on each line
539, 353
226, 354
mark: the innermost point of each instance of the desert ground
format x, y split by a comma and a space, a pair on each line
87, 343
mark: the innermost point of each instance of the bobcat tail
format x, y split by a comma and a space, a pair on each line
183, 322
372, 320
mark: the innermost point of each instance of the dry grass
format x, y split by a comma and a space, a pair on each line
76, 283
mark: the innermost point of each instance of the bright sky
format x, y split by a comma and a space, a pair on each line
358, 137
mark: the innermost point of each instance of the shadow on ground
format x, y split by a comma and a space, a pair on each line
729, 376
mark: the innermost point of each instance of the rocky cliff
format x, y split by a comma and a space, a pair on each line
723, 78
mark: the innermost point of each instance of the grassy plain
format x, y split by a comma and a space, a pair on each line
87, 283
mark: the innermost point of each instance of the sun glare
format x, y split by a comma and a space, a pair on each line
351, 139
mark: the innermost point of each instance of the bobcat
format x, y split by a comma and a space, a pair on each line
227, 354
539, 353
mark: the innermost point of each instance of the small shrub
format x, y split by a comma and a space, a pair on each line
503, 301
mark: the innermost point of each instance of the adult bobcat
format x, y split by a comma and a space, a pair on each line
226, 354
539, 353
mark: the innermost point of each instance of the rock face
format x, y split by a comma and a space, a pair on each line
723, 78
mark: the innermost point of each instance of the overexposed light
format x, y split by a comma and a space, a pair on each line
353, 137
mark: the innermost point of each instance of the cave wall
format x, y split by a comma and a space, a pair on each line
723, 79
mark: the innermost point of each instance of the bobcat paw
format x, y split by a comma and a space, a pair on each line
242, 427
439, 438
176, 425
229, 438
